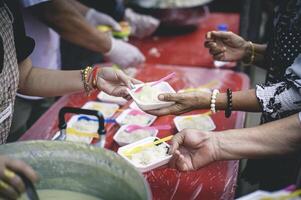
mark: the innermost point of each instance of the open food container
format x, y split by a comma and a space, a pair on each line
200, 122
122, 137
107, 109
136, 117
148, 159
77, 130
147, 97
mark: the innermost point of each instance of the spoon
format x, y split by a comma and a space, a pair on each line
29, 187
132, 128
137, 149
157, 82
86, 118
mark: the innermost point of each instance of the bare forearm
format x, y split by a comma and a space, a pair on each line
80, 7
272, 139
65, 18
47, 83
242, 101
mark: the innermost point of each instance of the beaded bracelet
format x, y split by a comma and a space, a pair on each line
228, 110
213, 100
85, 79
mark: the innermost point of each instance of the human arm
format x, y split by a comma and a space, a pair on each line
11, 185
48, 83
193, 149
227, 46
185, 102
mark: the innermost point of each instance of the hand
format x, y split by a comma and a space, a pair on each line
115, 82
184, 102
11, 185
226, 46
96, 18
142, 25
193, 149
124, 54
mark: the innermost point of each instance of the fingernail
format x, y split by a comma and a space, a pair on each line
161, 97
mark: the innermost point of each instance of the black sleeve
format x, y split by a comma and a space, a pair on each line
24, 45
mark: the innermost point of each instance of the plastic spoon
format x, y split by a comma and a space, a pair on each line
29, 187
159, 81
132, 128
138, 149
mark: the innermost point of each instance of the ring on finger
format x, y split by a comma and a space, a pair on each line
9, 174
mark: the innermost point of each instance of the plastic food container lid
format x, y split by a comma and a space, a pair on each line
156, 164
107, 109
200, 119
153, 133
121, 118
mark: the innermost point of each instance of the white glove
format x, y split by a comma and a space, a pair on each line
124, 54
96, 18
142, 25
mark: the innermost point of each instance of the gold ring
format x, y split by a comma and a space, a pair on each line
3, 185
9, 174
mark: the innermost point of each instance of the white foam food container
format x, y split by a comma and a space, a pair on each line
74, 138
102, 96
200, 122
107, 109
151, 166
121, 119
152, 133
163, 86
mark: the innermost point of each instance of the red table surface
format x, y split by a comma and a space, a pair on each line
186, 49
216, 181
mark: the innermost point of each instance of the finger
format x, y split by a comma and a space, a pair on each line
182, 165
215, 51
220, 57
170, 97
125, 79
7, 191
13, 180
116, 26
221, 34
177, 141
136, 81
21, 167
171, 110
209, 44
208, 35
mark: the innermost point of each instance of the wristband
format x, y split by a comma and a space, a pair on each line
213, 100
228, 110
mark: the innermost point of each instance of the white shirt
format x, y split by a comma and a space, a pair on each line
47, 42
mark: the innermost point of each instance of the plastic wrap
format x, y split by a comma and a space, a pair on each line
216, 181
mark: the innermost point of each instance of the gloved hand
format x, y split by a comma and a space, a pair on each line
124, 54
142, 25
96, 18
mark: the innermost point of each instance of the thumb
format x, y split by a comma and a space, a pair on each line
169, 97
221, 34
115, 26
177, 140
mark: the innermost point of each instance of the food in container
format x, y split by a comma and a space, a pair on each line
107, 109
130, 116
200, 122
122, 137
147, 97
150, 157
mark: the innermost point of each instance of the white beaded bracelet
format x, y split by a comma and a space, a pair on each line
213, 100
